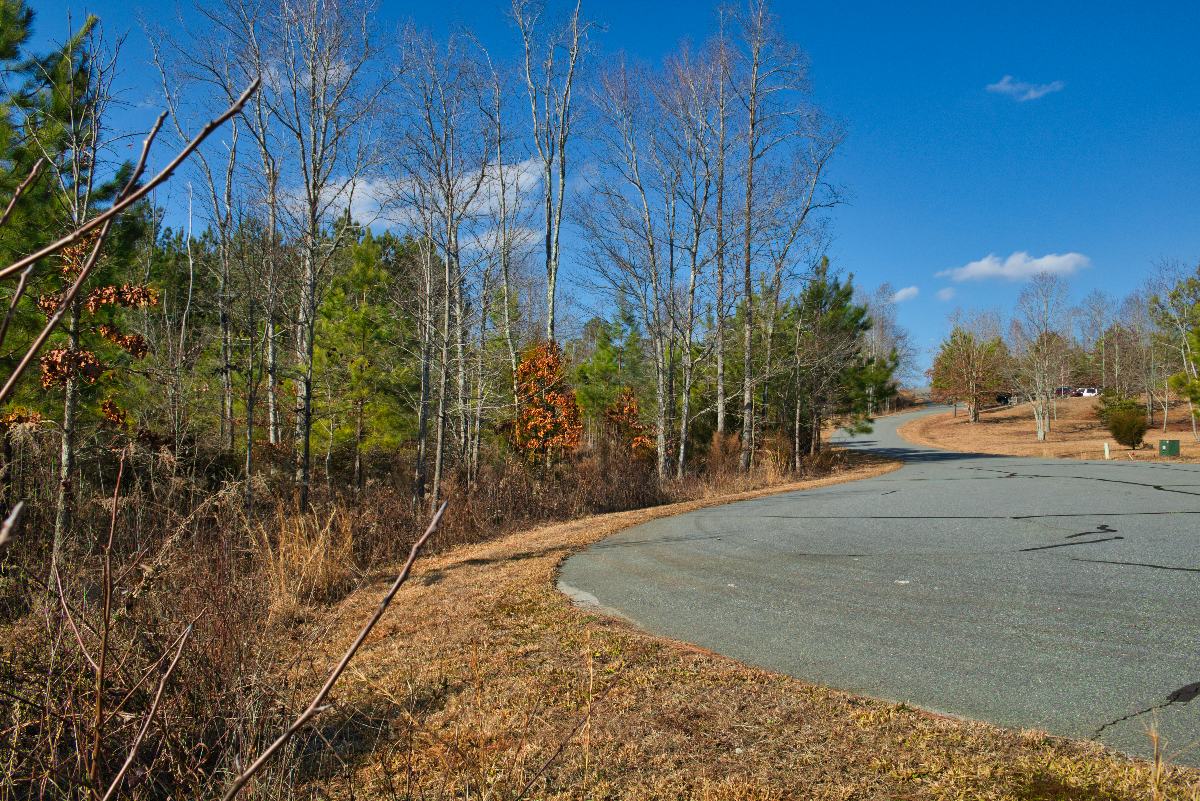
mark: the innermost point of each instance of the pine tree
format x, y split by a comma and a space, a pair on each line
358, 362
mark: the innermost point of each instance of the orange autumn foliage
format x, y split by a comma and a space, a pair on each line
548, 420
624, 420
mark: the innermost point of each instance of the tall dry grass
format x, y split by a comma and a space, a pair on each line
305, 558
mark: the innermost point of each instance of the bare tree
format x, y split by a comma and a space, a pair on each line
1094, 316
771, 74
1039, 344
626, 235
550, 66
722, 60
1175, 307
76, 149
686, 101
446, 162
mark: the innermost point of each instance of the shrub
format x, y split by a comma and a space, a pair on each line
1111, 402
1128, 426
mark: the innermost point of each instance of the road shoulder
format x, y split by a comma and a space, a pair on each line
485, 676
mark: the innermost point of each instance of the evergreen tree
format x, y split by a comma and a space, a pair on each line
359, 364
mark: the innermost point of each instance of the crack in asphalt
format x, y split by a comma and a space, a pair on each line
1069, 544
1138, 564
1158, 487
1103, 528
1183, 695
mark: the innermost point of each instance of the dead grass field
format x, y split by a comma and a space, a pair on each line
1077, 434
483, 681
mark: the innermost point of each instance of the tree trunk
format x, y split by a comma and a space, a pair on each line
227, 424
66, 465
439, 455
426, 328
358, 441
747, 276
305, 326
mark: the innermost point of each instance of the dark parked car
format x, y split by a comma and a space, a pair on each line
1064, 392
1003, 398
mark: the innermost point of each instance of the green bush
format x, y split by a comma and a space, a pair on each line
1110, 402
1128, 426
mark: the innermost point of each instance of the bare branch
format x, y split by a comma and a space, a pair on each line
29, 179
316, 706
128, 200
71, 293
133, 749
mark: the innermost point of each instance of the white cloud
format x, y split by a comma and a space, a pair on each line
908, 293
1018, 267
946, 293
1022, 91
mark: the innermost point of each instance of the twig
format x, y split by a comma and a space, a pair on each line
18, 293
106, 622
10, 524
584, 720
62, 597
316, 706
116, 782
12, 203
147, 188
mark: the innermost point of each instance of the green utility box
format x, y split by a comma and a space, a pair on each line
1168, 447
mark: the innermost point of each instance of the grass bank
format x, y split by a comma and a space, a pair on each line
1077, 433
483, 681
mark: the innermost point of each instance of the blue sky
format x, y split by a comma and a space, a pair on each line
1089, 150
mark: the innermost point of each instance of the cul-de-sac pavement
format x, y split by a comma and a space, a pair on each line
1047, 594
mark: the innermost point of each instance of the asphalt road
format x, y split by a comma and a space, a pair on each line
1049, 594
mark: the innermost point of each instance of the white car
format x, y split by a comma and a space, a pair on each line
1088, 392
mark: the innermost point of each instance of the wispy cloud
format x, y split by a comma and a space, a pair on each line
946, 293
1022, 91
1017, 267
908, 293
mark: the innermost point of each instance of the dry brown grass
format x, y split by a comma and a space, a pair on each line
1077, 434
485, 682
307, 559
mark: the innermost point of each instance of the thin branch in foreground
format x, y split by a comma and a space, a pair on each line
145, 189
10, 524
18, 293
29, 179
84, 272
162, 684
317, 705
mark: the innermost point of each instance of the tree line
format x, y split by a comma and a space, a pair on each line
355, 269
1143, 349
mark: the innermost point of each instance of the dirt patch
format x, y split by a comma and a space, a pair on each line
1076, 434
484, 681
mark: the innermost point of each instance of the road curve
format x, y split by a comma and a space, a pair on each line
1049, 594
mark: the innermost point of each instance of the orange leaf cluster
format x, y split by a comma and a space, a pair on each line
19, 417
625, 420
112, 412
549, 419
76, 255
127, 295
133, 344
60, 364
